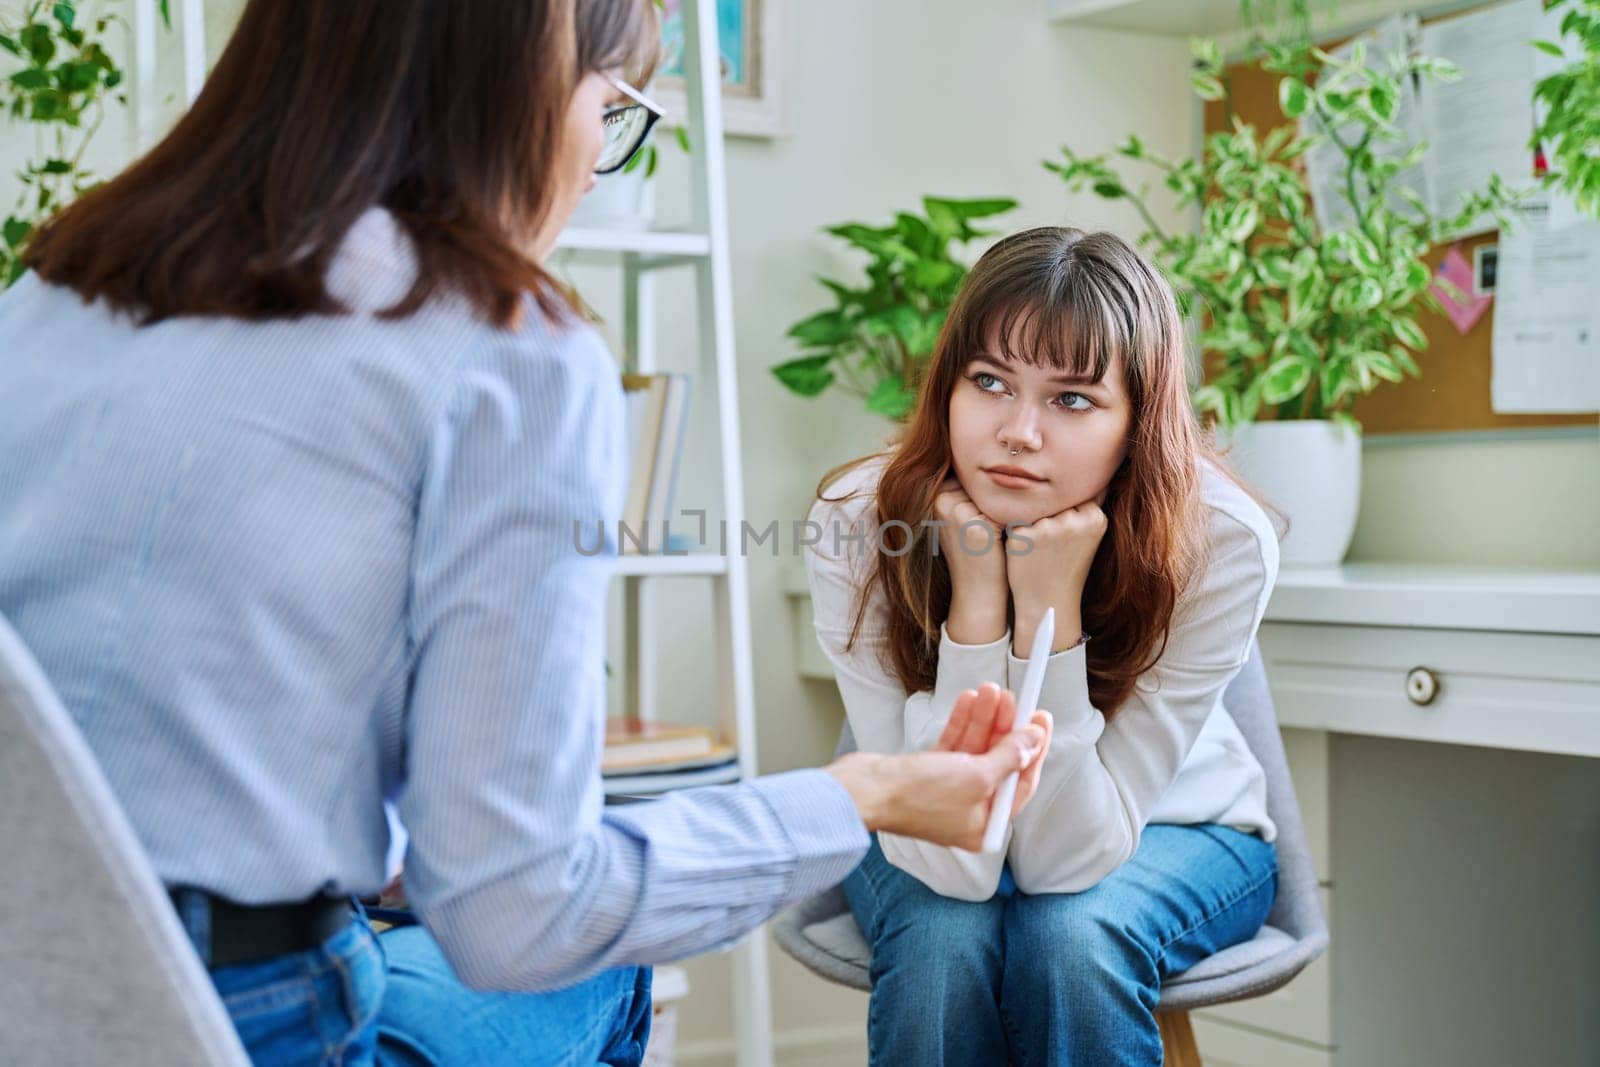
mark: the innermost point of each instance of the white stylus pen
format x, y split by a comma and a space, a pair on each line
1027, 703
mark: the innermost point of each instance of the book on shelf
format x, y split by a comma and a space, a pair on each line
633, 745
644, 785
657, 412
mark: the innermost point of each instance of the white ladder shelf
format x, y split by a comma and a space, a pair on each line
702, 246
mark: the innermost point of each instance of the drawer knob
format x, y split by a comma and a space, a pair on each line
1422, 685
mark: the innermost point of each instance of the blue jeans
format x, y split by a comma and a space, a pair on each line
363, 998
1058, 978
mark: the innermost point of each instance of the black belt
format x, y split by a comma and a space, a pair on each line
225, 933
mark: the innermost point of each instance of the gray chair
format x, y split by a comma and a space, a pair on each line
821, 932
94, 966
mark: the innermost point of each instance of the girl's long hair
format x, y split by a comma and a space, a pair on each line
1070, 301
447, 113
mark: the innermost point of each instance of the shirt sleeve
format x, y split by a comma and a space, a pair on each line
882, 715
514, 863
1100, 782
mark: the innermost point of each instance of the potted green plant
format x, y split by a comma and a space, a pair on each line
876, 340
1569, 131
1298, 321
60, 77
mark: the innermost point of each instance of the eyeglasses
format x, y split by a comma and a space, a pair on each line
626, 127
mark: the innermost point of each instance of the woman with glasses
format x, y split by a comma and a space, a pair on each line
295, 435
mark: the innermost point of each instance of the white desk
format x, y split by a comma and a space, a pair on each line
1507, 659
1455, 879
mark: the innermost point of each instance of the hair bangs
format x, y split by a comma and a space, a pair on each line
1074, 331
625, 36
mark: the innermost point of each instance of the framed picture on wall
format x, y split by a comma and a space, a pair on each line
751, 34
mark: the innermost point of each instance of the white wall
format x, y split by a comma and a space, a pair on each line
1508, 500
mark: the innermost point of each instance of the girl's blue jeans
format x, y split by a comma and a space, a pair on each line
363, 998
1064, 979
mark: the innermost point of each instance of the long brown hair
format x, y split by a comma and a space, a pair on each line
446, 113
1073, 301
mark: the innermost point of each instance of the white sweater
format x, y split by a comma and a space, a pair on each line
1171, 754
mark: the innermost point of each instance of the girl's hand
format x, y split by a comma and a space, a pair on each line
974, 549
943, 795
1048, 566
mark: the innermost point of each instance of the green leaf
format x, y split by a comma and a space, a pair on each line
891, 398
935, 274
1111, 190
10, 44
76, 77
1385, 100
1242, 221
1356, 295
30, 78
15, 230
1550, 47
868, 238
845, 294
64, 14
39, 43
1285, 379
898, 321
823, 328
1381, 365
1409, 333
47, 105
971, 209
1294, 97
807, 376
917, 234
1206, 86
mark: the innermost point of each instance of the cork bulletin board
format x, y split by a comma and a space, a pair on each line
1452, 394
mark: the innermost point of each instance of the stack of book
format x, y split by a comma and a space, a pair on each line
652, 757
657, 416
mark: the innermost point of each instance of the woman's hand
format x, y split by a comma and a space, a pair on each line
974, 550
1047, 567
943, 795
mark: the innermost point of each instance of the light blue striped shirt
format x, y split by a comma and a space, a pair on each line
281, 572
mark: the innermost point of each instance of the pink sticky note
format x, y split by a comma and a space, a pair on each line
1467, 309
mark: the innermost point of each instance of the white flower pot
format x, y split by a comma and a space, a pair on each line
621, 200
1310, 469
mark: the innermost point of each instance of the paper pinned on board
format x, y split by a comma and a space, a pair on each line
1546, 346
1463, 307
1325, 161
1481, 124
1474, 127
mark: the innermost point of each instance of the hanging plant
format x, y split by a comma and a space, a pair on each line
61, 79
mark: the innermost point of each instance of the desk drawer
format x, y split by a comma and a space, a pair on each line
1539, 692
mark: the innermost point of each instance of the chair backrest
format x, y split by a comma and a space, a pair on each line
94, 966
1297, 911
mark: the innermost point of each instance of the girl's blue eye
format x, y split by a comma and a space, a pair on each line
982, 379
1087, 403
